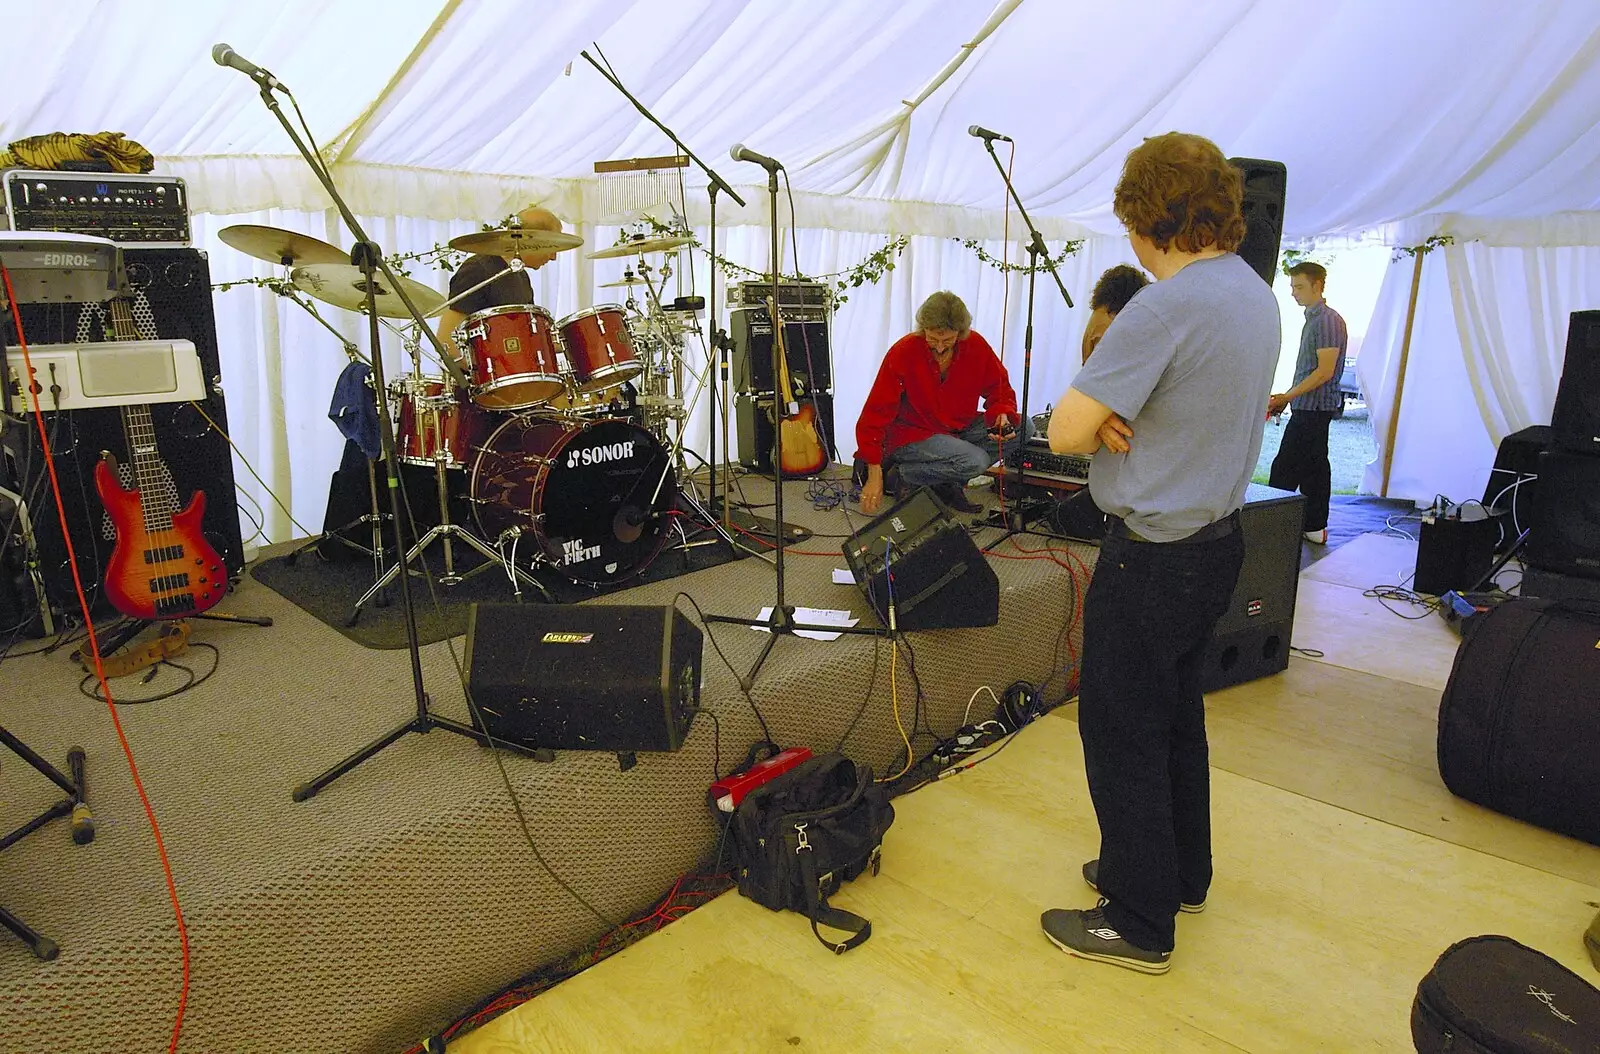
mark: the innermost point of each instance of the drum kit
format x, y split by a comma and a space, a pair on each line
568, 433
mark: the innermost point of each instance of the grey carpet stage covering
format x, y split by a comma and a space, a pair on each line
374, 914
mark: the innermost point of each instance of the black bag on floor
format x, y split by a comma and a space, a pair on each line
1519, 723
799, 837
1491, 995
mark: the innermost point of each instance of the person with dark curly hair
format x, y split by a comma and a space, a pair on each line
1111, 294
1171, 404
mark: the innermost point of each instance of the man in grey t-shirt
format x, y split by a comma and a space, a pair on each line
1176, 393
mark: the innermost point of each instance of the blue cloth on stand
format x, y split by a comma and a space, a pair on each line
355, 411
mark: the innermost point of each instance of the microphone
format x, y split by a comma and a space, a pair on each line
223, 55
741, 153
980, 132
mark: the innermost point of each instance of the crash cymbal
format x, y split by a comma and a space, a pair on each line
635, 246
514, 241
282, 247
343, 285
625, 280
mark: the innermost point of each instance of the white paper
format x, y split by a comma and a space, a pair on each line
843, 577
812, 617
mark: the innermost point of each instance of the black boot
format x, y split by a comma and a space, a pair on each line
954, 495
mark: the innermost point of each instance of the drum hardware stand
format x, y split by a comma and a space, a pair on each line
714, 185
369, 257
781, 621
1015, 521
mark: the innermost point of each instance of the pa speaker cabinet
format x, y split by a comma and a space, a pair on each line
1566, 522
916, 554
753, 427
1552, 585
176, 286
805, 336
1455, 550
1252, 639
1265, 183
1513, 485
1576, 419
584, 676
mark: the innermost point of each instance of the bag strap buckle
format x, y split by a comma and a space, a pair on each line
804, 845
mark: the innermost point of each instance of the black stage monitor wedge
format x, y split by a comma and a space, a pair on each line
1566, 518
1252, 639
1265, 183
938, 577
1576, 419
608, 677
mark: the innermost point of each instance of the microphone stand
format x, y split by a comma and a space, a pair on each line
1016, 521
781, 620
719, 340
369, 257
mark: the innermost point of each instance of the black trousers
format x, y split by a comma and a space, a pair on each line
1149, 614
1302, 463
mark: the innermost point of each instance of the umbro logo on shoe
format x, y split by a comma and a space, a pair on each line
1106, 933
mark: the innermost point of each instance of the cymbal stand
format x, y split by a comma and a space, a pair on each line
374, 516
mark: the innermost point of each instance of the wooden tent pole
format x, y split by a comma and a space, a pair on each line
1400, 381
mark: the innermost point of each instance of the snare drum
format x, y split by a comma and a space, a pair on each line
437, 422
512, 353
600, 348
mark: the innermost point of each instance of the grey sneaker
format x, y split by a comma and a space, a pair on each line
1088, 935
1091, 871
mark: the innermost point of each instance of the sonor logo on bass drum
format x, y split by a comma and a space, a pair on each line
599, 455
567, 638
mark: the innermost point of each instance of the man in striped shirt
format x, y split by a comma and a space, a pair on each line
1315, 399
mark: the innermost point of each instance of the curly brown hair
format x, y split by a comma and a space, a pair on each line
1178, 190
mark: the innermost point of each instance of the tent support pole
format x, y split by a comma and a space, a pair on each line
1400, 381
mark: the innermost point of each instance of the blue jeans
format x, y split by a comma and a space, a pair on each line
1149, 613
949, 458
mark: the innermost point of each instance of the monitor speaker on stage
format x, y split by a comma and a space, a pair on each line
1576, 419
1252, 639
608, 677
1265, 183
917, 554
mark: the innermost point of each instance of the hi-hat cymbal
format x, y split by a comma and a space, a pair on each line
344, 285
636, 246
626, 280
282, 247
514, 241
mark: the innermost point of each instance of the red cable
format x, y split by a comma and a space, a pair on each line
99, 669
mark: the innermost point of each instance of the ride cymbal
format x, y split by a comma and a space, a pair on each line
514, 241
637, 246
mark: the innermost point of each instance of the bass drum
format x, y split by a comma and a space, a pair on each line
594, 495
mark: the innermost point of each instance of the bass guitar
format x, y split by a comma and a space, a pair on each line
802, 451
161, 566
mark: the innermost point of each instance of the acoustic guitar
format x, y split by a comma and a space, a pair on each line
161, 566
803, 453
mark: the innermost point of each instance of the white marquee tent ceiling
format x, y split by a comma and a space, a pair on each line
1439, 111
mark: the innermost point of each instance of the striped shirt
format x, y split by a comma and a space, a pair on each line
1324, 328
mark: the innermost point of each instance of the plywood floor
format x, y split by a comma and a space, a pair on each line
1343, 869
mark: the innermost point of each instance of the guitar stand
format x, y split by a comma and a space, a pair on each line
72, 805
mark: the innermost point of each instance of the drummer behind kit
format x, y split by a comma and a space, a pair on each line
561, 435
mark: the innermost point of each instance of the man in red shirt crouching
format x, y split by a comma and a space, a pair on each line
921, 424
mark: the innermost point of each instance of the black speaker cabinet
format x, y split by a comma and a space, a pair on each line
1551, 585
584, 676
1252, 638
1265, 183
1576, 418
753, 427
1513, 485
176, 283
1566, 519
805, 334
916, 554
1455, 551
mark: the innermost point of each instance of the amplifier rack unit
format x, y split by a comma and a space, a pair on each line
145, 210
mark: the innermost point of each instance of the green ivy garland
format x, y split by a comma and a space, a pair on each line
1435, 242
